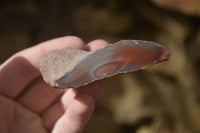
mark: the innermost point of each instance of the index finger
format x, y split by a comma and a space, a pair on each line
18, 71
34, 54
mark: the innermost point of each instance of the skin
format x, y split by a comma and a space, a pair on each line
29, 105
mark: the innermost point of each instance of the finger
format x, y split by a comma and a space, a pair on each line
15, 118
21, 68
52, 114
76, 116
34, 54
96, 44
39, 96
95, 89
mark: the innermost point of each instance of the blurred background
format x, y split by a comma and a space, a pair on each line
164, 98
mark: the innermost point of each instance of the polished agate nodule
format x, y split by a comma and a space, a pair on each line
74, 68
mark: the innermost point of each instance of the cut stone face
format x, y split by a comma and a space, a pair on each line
74, 68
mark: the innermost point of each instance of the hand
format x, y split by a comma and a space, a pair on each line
29, 105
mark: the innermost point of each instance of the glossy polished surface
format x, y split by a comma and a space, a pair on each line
121, 57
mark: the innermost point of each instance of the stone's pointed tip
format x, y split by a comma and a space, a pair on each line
167, 54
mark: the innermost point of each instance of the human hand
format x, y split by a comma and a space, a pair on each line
29, 105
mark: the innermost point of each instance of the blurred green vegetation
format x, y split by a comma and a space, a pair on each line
164, 98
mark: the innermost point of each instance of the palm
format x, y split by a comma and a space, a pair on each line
28, 104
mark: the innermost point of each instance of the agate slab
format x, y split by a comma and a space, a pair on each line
74, 68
